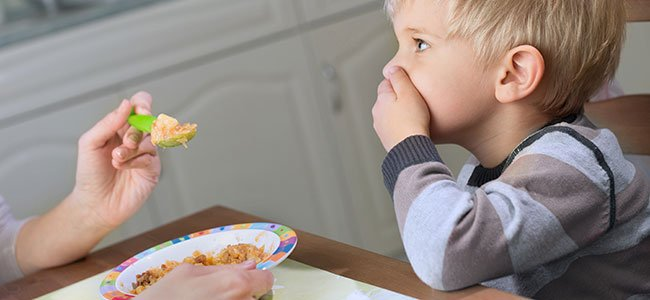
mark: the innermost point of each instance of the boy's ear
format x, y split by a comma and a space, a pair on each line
519, 73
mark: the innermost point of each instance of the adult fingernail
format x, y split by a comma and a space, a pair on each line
120, 153
134, 138
142, 95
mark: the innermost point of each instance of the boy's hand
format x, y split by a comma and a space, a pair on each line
400, 111
117, 167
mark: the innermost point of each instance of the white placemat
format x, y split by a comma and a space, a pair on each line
293, 280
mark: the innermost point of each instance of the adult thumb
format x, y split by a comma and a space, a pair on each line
107, 127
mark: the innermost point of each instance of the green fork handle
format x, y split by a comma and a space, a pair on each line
141, 122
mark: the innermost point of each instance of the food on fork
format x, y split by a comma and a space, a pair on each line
167, 132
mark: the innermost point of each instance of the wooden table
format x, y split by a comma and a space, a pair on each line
313, 250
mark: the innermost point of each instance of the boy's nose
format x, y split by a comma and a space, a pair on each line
389, 65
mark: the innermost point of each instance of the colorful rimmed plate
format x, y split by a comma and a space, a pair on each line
279, 240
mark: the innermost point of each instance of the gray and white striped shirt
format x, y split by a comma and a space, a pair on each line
566, 216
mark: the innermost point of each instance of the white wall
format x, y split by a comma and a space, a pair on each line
634, 70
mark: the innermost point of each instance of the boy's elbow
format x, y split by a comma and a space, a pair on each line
429, 276
439, 278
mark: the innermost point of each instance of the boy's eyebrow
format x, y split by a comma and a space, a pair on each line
423, 31
416, 29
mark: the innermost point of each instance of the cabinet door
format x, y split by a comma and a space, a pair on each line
260, 147
349, 69
38, 162
316, 9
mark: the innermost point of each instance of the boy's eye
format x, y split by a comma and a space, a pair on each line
421, 45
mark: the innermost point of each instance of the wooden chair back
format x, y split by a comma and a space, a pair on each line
627, 116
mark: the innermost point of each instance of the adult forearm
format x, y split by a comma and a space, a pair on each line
62, 235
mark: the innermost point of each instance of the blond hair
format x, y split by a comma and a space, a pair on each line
580, 40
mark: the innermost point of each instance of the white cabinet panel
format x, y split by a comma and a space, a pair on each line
260, 147
131, 45
38, 162
285, 129
315, 9
350, 66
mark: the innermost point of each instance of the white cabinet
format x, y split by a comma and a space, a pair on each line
349, 68
113, 51
316, 9
260, 147
283, 110
38, 159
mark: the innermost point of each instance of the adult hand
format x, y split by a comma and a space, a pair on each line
226, 282
117, 166
400, 111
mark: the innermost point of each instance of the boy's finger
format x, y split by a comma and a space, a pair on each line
385, 87
107, 127
401, 82
142, 103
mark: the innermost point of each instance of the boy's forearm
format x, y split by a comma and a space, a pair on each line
62, 235
442, 225
413, 151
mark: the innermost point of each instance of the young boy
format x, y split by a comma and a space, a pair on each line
546, 207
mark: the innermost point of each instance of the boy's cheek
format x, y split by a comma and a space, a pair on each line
427, 86
421, 80
426, 90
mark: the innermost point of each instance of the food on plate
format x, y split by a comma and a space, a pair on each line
232, 254
167, 132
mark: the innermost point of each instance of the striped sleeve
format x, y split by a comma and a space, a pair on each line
9, 228
550, 201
